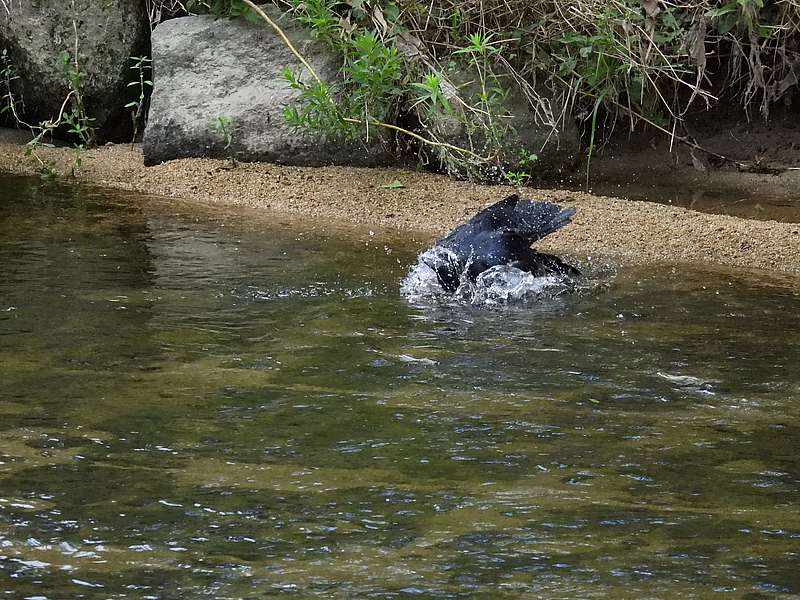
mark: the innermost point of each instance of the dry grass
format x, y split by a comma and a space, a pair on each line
647, 59
161, 10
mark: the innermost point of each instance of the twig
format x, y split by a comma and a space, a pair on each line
416, 136
45, 127
285, 39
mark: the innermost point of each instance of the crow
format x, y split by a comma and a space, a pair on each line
501, 234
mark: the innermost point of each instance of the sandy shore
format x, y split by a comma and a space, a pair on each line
625, 231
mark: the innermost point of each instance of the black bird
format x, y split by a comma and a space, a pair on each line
501, 234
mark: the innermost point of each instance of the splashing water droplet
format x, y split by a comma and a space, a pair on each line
497, 286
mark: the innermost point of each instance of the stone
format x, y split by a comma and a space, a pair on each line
206, 68
108, 33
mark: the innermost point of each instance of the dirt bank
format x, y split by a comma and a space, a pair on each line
627, 232
761, 180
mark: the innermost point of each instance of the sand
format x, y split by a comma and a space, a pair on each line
624, 231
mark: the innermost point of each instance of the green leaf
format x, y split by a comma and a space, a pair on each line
727, 22
722, 10
391, 12
288, 75
250, 16
394, 185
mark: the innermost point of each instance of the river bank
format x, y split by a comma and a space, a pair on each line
624, 231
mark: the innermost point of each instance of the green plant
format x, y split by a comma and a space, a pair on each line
142, 67
374, 73
632, 61
8, 100
315, 108
454, 67
523, 174
375, 89
479, 44
489, 111
393, 185
431, 96
72, 114
320, 17
518, 178
527, 159
370, 93
223, 127
75, 124
46, 168
745, 14
77, 120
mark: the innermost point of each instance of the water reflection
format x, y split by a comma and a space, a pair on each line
770, 201
223, 408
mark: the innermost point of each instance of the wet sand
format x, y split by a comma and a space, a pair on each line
627, 232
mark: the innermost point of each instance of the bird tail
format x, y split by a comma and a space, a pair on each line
538, 219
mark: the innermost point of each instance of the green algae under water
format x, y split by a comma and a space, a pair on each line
204, 407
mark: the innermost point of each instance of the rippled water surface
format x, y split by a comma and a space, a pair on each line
209, 406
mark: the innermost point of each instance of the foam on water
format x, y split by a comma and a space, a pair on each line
497, 286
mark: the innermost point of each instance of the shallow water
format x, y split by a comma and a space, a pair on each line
218, 407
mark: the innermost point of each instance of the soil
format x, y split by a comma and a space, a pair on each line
427, 205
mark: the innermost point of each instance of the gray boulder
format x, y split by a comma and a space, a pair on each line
205, 69
108, 34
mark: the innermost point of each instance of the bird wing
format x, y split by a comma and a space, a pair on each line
493, 217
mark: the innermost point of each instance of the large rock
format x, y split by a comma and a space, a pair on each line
35, 33
206, 68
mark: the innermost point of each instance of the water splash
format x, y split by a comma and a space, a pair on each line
421, 283
312, 290
497, 286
